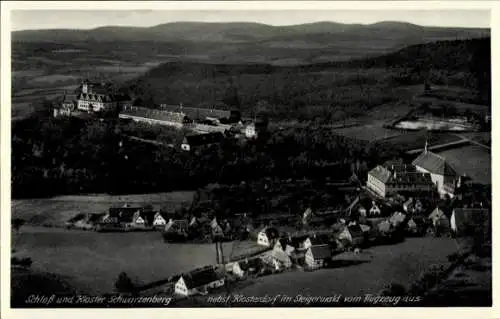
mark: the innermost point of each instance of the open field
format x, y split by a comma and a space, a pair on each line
57, 210
460, 106
473, 160
92, 261
402, 263
368, 132
406, 141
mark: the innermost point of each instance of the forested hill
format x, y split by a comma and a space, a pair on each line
356, 84
240, 32
452, 55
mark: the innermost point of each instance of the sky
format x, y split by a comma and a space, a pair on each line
78, 19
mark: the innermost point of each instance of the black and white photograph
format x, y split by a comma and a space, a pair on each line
223, 157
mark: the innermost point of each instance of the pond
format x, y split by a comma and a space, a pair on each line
433, 125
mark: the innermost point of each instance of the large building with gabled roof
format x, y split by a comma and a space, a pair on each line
396, 177
443, 175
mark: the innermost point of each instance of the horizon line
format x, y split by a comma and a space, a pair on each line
251, 22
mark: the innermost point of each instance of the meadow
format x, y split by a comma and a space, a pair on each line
402, 263
92, 261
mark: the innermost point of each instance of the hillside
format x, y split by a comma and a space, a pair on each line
249, 42
355, 86
237, 31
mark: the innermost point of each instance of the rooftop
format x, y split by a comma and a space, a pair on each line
434, 164
201, 277
154, 114
321, 251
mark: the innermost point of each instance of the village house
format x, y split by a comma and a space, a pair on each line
397, 219
248, 267
413, 206
250, 131
199, 282
395, 177
353, 235
277, 259
216, 229
302, 242
267, 236
317, 256
176, 225
439, 220
159, 220
408, 205
471, 222
442, 173
375, 210
191, 142
415, 225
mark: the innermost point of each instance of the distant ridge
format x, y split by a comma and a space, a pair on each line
242, 32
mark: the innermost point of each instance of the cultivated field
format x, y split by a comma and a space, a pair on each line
92, 261
473, 160
57, 210
402, 263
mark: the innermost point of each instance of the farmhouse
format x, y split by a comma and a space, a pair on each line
199, 282
392, 178
267, 236
190, 142
317, 256
470, 221
442, 174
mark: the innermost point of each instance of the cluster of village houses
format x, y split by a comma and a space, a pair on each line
207, 125
284, 248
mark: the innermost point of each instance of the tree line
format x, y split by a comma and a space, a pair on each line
52, 156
